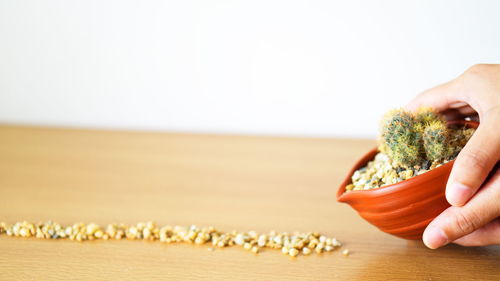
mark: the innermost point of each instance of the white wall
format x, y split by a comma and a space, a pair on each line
315, 68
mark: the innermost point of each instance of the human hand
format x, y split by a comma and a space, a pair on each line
474, 217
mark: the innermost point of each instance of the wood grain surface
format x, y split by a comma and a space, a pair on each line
229, 182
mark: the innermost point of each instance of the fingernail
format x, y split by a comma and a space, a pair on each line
457, 194
434, 238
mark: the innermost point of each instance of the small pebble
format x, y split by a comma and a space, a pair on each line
247, 246
293, 252
255, 249
306, 251
284, 250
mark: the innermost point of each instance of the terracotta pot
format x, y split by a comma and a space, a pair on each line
403, 209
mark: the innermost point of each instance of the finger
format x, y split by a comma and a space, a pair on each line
473, 164
439, 98
486, 235
456, 222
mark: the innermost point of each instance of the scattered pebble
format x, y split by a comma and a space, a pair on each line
255, 249
306, 251
290, 244
247, 246
345, 252
293, 252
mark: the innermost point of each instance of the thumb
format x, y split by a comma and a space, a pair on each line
473, 164
457, 222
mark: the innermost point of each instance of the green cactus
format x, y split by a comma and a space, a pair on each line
435, 138
400, 140
435, 133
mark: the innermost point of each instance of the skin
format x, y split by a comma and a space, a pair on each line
473, 188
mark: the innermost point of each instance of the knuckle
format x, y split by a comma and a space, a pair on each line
480, 73
465, 223
478, 68
476, 159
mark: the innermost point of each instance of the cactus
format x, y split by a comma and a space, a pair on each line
399, 139
435, 138
435, 135
411, 139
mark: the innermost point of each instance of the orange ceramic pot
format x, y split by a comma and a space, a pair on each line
403, 209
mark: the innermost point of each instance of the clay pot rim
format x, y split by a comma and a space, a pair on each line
343, 196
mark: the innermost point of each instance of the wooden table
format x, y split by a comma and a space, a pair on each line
230, 182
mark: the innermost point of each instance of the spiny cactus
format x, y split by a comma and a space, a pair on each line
410, 139
399, 139
435, 139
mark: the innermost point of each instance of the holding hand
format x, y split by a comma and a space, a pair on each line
474, 217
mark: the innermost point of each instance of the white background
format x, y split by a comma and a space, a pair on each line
310, 68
